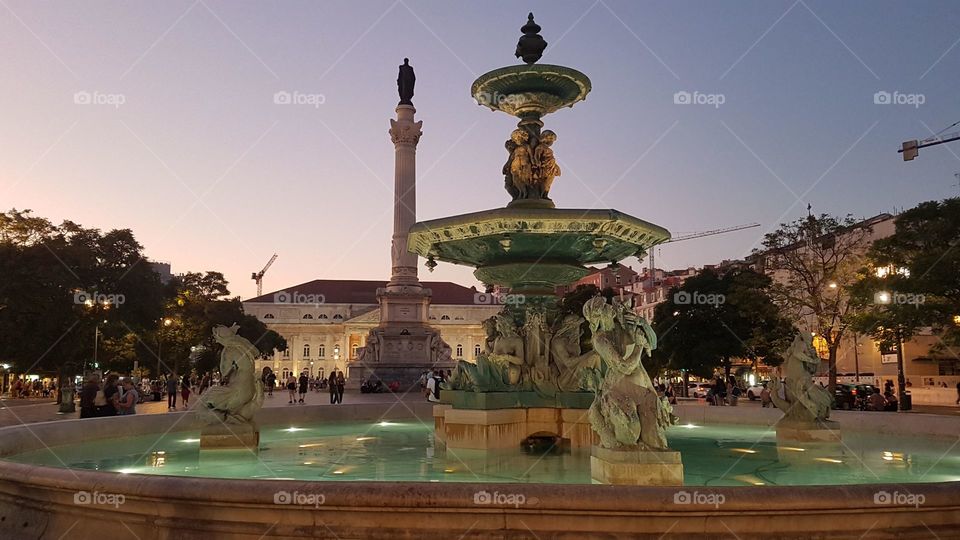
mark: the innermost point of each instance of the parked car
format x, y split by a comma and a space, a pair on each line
853, 396
753, 392
699, 390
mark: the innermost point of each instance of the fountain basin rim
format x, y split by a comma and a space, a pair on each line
566, 85
157, 505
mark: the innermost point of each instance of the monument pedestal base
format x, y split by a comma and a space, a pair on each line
230, 437
823, 431
634, 467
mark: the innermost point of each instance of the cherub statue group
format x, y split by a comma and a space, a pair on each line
531, 167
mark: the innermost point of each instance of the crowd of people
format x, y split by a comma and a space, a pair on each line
25, 388
298, 387
115, 396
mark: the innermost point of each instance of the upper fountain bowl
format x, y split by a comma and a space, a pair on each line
530, 90
532, 251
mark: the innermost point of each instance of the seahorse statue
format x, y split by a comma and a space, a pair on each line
240, 394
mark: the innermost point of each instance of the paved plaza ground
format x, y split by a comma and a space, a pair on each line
27, 411
31, 410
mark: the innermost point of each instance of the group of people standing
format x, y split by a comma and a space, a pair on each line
724, 392
297, 387
336, 383
183, 386
111, 398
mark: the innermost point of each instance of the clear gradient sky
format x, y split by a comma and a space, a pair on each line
211, 174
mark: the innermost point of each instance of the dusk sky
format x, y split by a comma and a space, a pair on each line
182, 141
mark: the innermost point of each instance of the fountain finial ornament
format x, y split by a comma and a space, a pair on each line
405, 82
531, 45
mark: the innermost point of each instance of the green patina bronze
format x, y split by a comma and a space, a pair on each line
534, 355
531, 250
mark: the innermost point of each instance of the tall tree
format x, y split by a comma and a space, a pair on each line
911, 279
814, 261
713, 318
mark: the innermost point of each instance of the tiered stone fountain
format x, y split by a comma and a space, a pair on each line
546, 370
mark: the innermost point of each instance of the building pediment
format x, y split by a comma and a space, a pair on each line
372, 316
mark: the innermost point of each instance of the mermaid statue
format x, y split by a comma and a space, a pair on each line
627, 412
240, 394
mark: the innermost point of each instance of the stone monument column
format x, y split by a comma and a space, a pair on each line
405, 133
403, 345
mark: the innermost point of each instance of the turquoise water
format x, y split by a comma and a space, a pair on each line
404, 451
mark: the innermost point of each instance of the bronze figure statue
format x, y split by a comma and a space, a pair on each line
405, 81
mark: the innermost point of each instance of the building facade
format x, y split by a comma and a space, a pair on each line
859, 354
326, 322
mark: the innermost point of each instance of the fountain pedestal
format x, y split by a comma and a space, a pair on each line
230, 437
636, 467
492, 429
816, 431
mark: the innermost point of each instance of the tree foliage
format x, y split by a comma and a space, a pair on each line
815, 260
713, 318
911, 280
69, 294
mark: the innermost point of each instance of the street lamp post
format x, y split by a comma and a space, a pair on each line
166, 321
901, 379
856, 357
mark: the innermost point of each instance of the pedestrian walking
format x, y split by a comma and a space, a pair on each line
341, 385
291, 388
171, 392
332, 386
185, 391
304, 383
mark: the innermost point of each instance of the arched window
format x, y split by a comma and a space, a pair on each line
268, 316
458, 318
286, 352
354, 350
321, 351
308, 316
322, 316
286, 373
476, 350
338, 317
306, 350
433, 317
445, 318
459, 350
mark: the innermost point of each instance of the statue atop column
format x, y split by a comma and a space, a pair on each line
405, 81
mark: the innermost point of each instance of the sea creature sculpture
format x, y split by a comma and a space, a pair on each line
800, 399
240, 394
627, 412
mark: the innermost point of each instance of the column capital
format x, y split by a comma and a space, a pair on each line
405, 132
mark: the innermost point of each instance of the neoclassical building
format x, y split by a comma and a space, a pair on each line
326, 321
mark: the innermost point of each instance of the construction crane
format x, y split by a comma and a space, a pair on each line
910, 149
258, 276
691, 236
